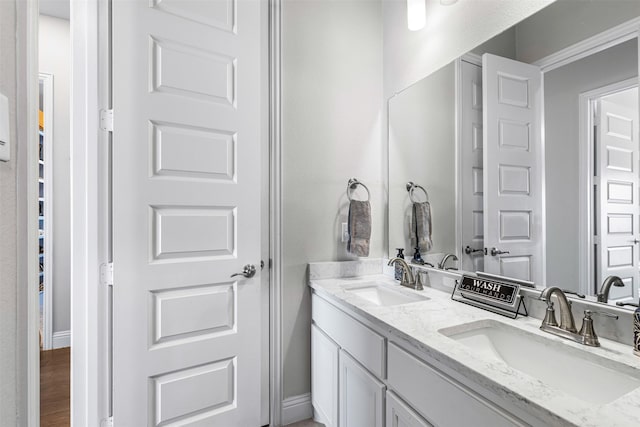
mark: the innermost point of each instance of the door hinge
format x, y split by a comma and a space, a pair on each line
107, 422
106, 120
106, 274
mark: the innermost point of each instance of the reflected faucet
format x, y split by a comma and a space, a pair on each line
603, 295
442, 263
408, 279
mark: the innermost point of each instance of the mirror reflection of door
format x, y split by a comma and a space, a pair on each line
616, 211
513, 173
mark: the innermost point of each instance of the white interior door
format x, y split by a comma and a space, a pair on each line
617, 175
513, 169
470, 114
189, 111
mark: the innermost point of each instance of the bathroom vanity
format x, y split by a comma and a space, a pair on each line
384, 355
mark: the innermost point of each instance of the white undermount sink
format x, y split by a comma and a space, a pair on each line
383, 295
584, 375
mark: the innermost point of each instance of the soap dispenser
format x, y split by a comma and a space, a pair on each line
398, 268
417, 257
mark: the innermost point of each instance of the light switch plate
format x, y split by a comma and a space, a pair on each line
5, 131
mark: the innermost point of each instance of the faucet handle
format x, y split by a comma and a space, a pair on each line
588, 313
587, 332
550, 315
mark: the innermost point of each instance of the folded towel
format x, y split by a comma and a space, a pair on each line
359, 227
421, 226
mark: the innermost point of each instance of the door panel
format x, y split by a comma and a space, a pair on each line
471, 165
361, 395
188, 85
399, 414
514, 183
324, 378
617, 175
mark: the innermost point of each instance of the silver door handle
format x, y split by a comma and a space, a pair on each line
495, 252
469, 250
248, 271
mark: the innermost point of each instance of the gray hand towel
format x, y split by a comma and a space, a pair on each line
359, 227
421, 226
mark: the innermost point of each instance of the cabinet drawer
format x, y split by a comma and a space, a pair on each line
366, 346
440, 400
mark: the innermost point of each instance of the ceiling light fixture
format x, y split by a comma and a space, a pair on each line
416, 14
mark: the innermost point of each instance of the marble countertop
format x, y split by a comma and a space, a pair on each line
418, 324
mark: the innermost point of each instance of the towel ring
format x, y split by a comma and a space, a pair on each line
352, 184
411, 187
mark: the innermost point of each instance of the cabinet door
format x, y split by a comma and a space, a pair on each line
361, 395
324, 378
399, 414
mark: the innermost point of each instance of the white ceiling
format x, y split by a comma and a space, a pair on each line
56, 8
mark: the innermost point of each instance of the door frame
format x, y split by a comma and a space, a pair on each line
586, 151
90, 217
589, 46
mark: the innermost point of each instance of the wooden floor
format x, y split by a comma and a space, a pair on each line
54, 388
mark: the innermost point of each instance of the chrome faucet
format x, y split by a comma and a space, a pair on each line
408, 278
567, 328
442, 263
603, 295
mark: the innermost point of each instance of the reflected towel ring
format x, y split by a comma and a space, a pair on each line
411, 187
352, 184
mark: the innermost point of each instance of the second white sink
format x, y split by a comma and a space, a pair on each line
584, 375
383, 295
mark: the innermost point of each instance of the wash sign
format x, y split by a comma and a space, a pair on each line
489, 289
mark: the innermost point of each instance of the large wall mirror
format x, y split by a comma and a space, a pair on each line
528, 149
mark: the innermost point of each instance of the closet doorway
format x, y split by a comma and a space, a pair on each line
54, 65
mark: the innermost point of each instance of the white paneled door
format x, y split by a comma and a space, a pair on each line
189, 114
617, 154
514, 183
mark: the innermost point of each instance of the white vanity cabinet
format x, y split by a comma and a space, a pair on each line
348, 365
362, 378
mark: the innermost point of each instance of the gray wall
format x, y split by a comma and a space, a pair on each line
12, 290
562, 87
422, 126
331, 114
55, 58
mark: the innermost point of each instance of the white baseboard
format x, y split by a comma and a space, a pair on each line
61, 339
296, 408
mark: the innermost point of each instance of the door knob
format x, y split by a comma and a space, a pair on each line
248, 271
469, 250
495, 252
